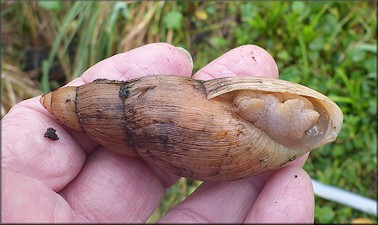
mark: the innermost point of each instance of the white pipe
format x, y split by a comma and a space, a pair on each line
344, 197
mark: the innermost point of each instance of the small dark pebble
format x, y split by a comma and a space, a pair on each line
50, 133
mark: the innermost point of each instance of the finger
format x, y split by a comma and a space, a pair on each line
113, 188
151, 59
246, 60
213, 202
56, 163
26, 200
249, 200
287, 197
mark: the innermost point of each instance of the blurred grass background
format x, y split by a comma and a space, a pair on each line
328, 46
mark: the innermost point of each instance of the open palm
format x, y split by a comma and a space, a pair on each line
76, 180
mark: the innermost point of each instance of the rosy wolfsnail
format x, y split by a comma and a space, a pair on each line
222, 129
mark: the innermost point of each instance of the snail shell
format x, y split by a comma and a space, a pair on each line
222, 129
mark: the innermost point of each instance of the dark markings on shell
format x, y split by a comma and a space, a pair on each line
144, 90
105, 81
199, 85
214, 173
126, 126
123, 92
291, 159
76, 111
164, 139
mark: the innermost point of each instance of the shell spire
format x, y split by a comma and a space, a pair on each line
62, 104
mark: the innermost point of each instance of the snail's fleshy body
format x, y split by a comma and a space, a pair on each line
221, 129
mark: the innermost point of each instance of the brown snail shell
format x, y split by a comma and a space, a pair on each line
222, 129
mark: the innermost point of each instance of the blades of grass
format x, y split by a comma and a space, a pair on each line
102, 42
316, 18
31, 21
368, 47
102, 12
82, 58
341, 99
137, 29
110, 29
304, 57
154, 32
368, 28
8, 8
63, 53
361, 44
341, 73
15, 86
340, 25
10, 93
357, 87
77, 8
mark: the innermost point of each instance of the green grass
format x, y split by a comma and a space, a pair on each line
328, 46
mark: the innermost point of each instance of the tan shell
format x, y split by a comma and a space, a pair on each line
205, 130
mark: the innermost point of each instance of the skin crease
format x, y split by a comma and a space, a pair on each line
76, 180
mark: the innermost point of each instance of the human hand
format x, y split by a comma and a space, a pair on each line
76, 180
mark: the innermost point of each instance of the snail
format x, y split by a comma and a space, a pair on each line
222, 129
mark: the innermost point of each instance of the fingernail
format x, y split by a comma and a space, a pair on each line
187, 55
